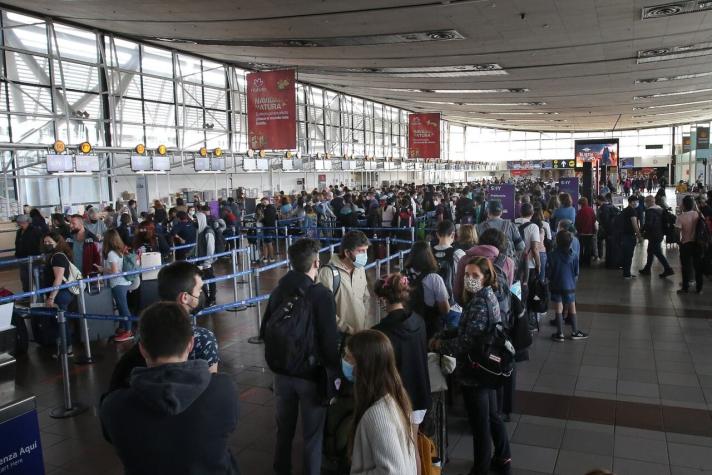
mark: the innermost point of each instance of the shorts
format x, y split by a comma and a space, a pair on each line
565, 297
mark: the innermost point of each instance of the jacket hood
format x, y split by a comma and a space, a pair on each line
402, 325
483, 250
171, 388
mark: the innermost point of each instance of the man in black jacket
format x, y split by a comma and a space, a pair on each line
27, 243
308, 388
653, 232
176, 416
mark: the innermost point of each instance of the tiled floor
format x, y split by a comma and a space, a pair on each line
635, 397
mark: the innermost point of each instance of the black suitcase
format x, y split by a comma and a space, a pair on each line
45, 330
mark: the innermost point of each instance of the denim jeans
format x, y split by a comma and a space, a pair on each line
487, 427
120, 293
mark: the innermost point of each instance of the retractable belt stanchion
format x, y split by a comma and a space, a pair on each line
331, 250
70, 408
286, 240
412, 234
401, 254
87, 358
378, 277
276, 240
388, 255
31, 278
233, 256
258, 318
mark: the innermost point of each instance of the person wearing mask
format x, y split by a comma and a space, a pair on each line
562, 272
630, 234
183, 233
179, 282
133, 210
586, 229
268, 220
690, 250
447, 258
345, 276
125, 228
492, 245
389, 212
464, 207
429, 298
28, 240
94, 225
175, 416
654, 233
515, 243
406, 333
84, 244
205, 248
302, 390
38, 221
480, 313
382, 439
531, 260
58, 256
113, 252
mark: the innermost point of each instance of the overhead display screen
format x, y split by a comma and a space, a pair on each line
59, 163
87, 163
217, 164
161, 163
602, 152
202, 164
140, 163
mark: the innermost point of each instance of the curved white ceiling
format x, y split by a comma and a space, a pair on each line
573, 64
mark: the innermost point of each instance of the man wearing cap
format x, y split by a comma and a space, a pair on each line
27, 243
515, 243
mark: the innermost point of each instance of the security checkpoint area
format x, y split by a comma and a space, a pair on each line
334, 238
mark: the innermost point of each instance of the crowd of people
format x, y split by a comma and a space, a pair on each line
470, 282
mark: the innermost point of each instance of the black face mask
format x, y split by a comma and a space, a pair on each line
93, 220
201, 303
47, 248
74, 231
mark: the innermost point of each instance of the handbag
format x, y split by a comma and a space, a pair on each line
74, 275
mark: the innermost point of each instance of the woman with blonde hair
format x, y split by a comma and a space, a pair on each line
381, 439
113, 252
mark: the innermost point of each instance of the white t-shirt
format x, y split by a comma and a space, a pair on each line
389, 212
531, 237
114, 258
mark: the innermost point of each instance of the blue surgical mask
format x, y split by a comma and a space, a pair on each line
361, 260
348, 370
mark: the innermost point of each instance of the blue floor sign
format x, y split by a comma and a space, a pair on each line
20, 448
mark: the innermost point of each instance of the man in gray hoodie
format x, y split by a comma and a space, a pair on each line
176, 416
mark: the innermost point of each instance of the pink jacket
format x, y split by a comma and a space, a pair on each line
491, 253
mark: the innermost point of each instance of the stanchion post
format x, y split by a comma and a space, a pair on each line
412, 235
70, 408
233, 255
88, 358
276, 240
378, 277
388, 255
256, 340
31, 278
287, 243
249, 278
174, 253
400, 261
332, 248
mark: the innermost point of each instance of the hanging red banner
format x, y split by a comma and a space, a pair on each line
424, 135
271, 110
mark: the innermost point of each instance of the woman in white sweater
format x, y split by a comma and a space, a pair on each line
382, 440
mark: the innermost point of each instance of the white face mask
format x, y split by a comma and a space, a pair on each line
472, 284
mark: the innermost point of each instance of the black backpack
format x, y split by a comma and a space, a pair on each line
503, 293
538, 299
490, 360
702, 233
219, 238
289, 336
446, 268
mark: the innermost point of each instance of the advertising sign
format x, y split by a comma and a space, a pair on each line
271, 110
570, 185
703, 138
686, 143
20, 447
424, 135
603, 151
505, 194
627, 162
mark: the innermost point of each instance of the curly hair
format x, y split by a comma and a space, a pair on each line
393, 288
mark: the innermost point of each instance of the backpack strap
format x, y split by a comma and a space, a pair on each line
336, 278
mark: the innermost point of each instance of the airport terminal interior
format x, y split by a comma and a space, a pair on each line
187, 115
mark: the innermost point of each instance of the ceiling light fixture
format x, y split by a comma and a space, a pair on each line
675, 8
665, 106
673, 78
455, 91
485, 104
488, 69
674, 52
642, 116
670, 94
520, 113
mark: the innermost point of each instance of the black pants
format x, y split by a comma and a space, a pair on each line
210, 290
655, 249
486, 426
692, 264
297, 396
586, 249
505, 394
628, 249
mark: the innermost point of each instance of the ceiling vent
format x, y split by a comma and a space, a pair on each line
675, 52
675, 8
489, 69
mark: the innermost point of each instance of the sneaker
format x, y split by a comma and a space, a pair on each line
667, 273
123, 335
644, 271
502, 466
272, 261
629, 277
559, 337
70, 352
264, 260
579, 335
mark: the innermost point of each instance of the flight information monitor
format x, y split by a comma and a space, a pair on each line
87, 163
161, 163
140, 163
60, 163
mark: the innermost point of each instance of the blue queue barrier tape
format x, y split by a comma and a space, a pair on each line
225, 306
7, 250
274, 265
182, 246
18, 260
214, 256
222, 278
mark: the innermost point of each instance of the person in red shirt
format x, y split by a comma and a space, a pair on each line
586, 229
